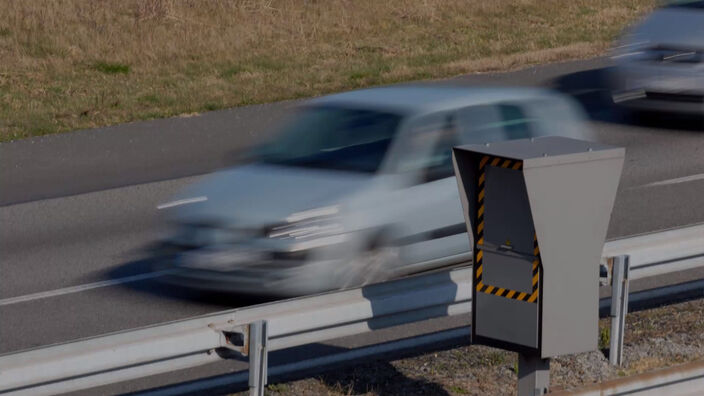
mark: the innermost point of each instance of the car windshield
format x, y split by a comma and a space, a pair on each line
333, 138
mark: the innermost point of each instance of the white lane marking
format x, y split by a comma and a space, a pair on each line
678, 180
80, 288
182, 202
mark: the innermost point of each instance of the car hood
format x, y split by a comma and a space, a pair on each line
672, 27
259, 195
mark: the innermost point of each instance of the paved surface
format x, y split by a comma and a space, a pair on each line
77, 209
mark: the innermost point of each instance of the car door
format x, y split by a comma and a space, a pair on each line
439, 235
434, 232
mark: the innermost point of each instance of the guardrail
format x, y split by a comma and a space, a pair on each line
660, 253
687, 379
256, 330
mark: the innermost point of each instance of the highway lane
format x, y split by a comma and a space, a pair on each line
652, 194
57, 243
104, 187
135, 153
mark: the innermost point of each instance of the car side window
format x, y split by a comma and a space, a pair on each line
494, 122
440, 165
557, 117
427, 146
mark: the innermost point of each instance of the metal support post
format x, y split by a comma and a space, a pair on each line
619, 308
257, 357
533, 375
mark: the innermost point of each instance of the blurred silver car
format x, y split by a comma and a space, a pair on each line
660, 61
357, 188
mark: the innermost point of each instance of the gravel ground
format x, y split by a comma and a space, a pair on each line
655, 338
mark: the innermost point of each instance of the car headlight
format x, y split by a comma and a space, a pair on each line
310, 229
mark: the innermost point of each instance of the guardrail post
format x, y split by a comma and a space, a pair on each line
533, 375
257, 357
619, 308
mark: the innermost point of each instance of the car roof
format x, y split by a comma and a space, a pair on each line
425, 98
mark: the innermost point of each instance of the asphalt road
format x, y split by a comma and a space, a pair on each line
77, 209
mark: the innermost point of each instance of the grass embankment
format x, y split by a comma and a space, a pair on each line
73, 64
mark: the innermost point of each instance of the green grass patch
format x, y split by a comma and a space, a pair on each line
278, 388
604, 337
458, 389
232, 71
210, 106
40, 125
496, 358
150, 99
111, 68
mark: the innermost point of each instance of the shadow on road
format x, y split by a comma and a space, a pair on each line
381, 378
153, 287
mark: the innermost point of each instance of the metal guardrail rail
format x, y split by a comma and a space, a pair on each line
192, 342
659, 253
687, 379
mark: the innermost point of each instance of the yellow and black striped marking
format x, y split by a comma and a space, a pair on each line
479, 233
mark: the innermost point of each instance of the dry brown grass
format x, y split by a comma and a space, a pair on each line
69, 64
